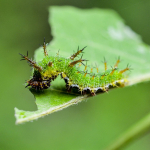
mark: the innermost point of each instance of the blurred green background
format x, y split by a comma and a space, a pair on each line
92, 124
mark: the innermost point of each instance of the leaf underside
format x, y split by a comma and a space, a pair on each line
105, 35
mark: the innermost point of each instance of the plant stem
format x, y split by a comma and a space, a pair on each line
131, 134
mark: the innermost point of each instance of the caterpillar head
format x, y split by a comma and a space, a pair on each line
37, 82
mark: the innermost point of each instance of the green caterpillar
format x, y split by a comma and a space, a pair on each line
50, 67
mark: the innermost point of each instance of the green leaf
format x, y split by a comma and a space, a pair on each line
48, 101
105, 35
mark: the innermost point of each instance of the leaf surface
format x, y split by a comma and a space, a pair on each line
105, 35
